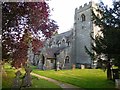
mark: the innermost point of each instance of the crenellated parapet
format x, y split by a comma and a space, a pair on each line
86, 6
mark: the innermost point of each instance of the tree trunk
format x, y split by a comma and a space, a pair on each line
109, 74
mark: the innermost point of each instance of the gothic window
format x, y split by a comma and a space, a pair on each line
68, 43
83, 17
67, 59
58, 43
63, 41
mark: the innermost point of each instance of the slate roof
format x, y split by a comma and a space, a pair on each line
67, 35
49, 52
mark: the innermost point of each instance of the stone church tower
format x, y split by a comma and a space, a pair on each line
83, 26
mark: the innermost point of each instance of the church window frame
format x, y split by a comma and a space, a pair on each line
83, 17
63, 41
59, 43
67, 59
68, 43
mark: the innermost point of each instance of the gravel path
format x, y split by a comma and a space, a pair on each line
65, 86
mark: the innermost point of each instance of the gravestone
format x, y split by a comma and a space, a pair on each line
40, 65
44, 67
26, 82
115, 74
73, 66
82, 66
58, 66
16, 81
117, 83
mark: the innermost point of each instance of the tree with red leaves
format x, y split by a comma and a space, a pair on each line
23, 22
37, 44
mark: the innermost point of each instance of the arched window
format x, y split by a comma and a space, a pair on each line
63, 40
67, 59
68, 43
83, 17
58, 43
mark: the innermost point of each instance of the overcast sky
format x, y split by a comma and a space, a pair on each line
64, 10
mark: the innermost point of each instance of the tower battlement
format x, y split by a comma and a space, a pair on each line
86, 6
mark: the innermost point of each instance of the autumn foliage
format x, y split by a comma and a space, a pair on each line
24, 23
37, 45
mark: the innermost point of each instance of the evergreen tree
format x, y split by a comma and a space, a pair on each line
106, 46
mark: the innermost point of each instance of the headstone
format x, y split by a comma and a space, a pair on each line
62, 66
82, 66
39, 65
44, 67
58, 66
48, 63
115, 74
73, 66
16, 81
117, 83
27, 77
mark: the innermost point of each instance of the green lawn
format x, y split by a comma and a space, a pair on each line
84, 78
7, 80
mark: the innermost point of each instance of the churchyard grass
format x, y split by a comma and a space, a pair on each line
84, 78
7, 79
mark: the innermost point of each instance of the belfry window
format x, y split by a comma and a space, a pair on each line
63, 41
83, 17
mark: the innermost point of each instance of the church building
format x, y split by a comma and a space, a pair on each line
67, 49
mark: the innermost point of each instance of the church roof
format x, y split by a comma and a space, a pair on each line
66, 35
49, 52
